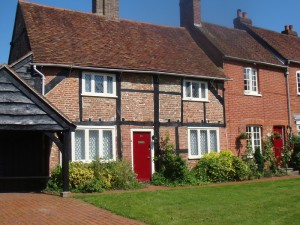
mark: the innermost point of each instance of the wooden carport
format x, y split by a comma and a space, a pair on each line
28, 122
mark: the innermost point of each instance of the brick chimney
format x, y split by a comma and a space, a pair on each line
289, 30
190, 13
242, 18
109, 8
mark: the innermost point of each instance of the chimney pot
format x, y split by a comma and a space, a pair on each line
241, 20
289, 30
239, 13
286, 27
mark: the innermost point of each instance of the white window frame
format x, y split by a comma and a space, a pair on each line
198, 129
86, 129
92, 92
191, 98
298, 81
250, 130
251, 81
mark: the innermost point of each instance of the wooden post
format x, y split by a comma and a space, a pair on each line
66, 157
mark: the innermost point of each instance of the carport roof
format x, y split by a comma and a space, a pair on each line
23, 108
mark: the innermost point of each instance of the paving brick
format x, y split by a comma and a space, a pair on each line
40, 209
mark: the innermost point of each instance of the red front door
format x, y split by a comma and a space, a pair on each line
142, 155
278, 143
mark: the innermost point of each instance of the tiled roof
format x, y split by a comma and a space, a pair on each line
237, 43
286, 45
60, 36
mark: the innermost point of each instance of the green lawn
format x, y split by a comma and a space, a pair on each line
272, 202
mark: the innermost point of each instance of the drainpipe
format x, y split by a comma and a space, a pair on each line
43, 78
288, 95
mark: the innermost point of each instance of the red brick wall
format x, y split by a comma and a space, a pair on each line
137, 106
295, 98
267, 110
169, 104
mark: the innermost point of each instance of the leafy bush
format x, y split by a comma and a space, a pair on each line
95, 177
115, 175
242, 170
79, 174
55, 182
172, 168
295, 155
221, 167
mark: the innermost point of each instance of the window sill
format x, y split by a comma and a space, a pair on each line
195, 100
101, 96
253, 94
194, 157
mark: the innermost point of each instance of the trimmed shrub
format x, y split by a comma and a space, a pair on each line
79, 174
95, 177
115, 175
221, 167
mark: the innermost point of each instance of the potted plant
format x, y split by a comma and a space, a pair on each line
243, 135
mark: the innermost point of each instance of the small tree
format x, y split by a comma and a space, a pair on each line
173, 169
268, 153
259, 159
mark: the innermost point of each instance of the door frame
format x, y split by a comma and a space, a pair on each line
151, 131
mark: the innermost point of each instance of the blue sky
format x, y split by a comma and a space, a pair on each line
270, 14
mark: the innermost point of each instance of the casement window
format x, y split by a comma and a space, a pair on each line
298, 82
90, 143
195, 90
202, 141
98, 84
250, 81
254, 136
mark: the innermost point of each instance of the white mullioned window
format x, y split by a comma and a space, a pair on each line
202, 141
298, 82
98, 84
195, 90
250, 81
254, 136
90, 143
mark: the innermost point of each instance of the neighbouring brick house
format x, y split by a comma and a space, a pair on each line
286, 47
125, 84
256, 100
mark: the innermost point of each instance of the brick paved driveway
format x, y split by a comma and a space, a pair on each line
16, 208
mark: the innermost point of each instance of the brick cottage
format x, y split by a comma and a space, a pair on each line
126, 84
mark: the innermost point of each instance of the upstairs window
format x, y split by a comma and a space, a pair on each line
254, 136
195, 90
298, 82
250, 81
99, 84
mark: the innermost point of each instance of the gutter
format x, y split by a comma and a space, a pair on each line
253, 61
292, 61
288, 94
127, 70
42, 77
